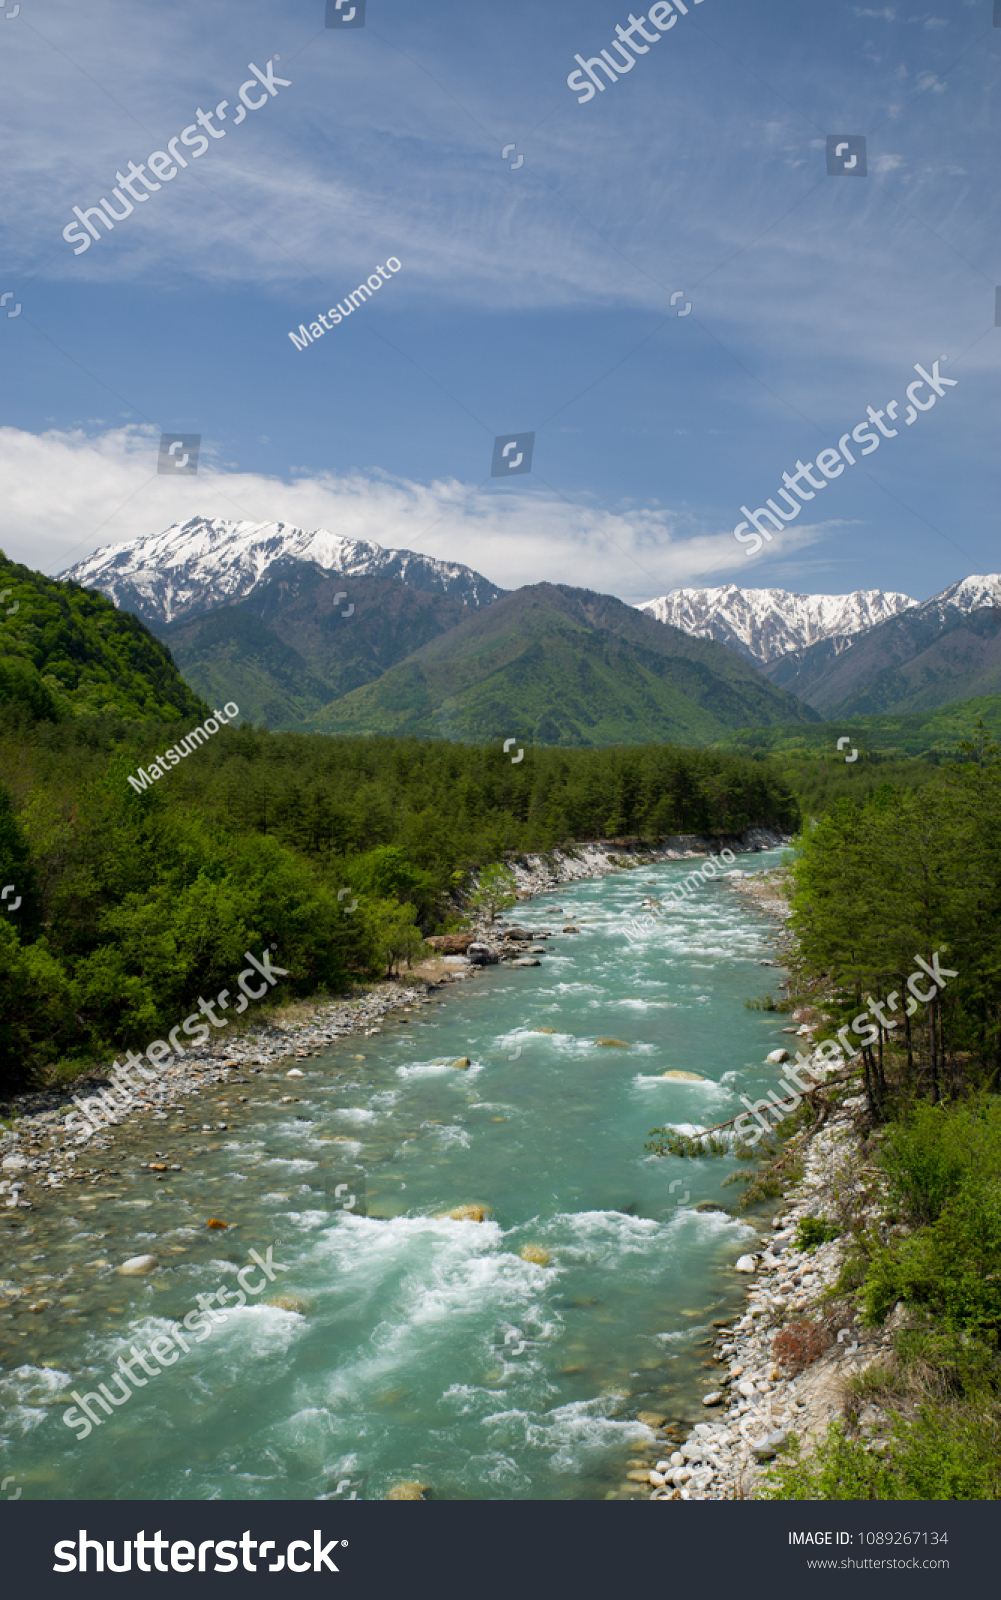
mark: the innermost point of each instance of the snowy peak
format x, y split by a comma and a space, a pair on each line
970, 594
763, 624
207, 562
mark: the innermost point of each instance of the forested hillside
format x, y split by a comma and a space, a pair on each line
66, 652
132, 903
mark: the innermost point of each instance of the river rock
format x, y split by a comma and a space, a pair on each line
473, 1213
526, 961
461, 1063
408, 1491
651, 1419
683, 1077
745, 1264
777, 1056
136, 1265
535, 1254
451, 944
288, 1302
482, 955
523, 935
617, 1044
295, 1072
716, 1398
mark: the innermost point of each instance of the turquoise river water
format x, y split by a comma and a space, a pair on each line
413, 1347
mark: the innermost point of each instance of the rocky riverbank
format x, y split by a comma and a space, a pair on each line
536, 874
39, 1155
785, 1366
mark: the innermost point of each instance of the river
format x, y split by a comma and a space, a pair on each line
413, 1347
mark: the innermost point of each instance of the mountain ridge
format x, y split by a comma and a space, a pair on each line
207, 562
765, 624
553, 664
944, 650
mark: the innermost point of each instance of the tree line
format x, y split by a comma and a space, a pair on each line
342, 852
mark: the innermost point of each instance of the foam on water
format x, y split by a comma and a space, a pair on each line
427, 1348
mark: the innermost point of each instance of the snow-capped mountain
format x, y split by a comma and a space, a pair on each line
207, 562
945, 650
763, 624
970, 594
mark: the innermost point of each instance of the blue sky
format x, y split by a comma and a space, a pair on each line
529, 299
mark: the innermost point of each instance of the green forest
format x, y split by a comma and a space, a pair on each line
910, 872
130, 902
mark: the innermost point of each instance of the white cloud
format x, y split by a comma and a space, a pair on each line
67, 494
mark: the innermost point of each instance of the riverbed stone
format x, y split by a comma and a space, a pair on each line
535, 1253
135, 1266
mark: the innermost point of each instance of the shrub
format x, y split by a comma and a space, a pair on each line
931, 1154
945, 1453
951, 1269
798, 1345
813, 1231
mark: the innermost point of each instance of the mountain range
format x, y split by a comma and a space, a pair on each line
311, 629
930, 655
764, 624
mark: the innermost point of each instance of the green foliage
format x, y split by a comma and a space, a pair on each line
935, 1151
767, 1002
813, 1231
951, 1268
904, 875
944, 1168
667, 1142
135, 904
495, 891
397, 939
67, 652
944, 1453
